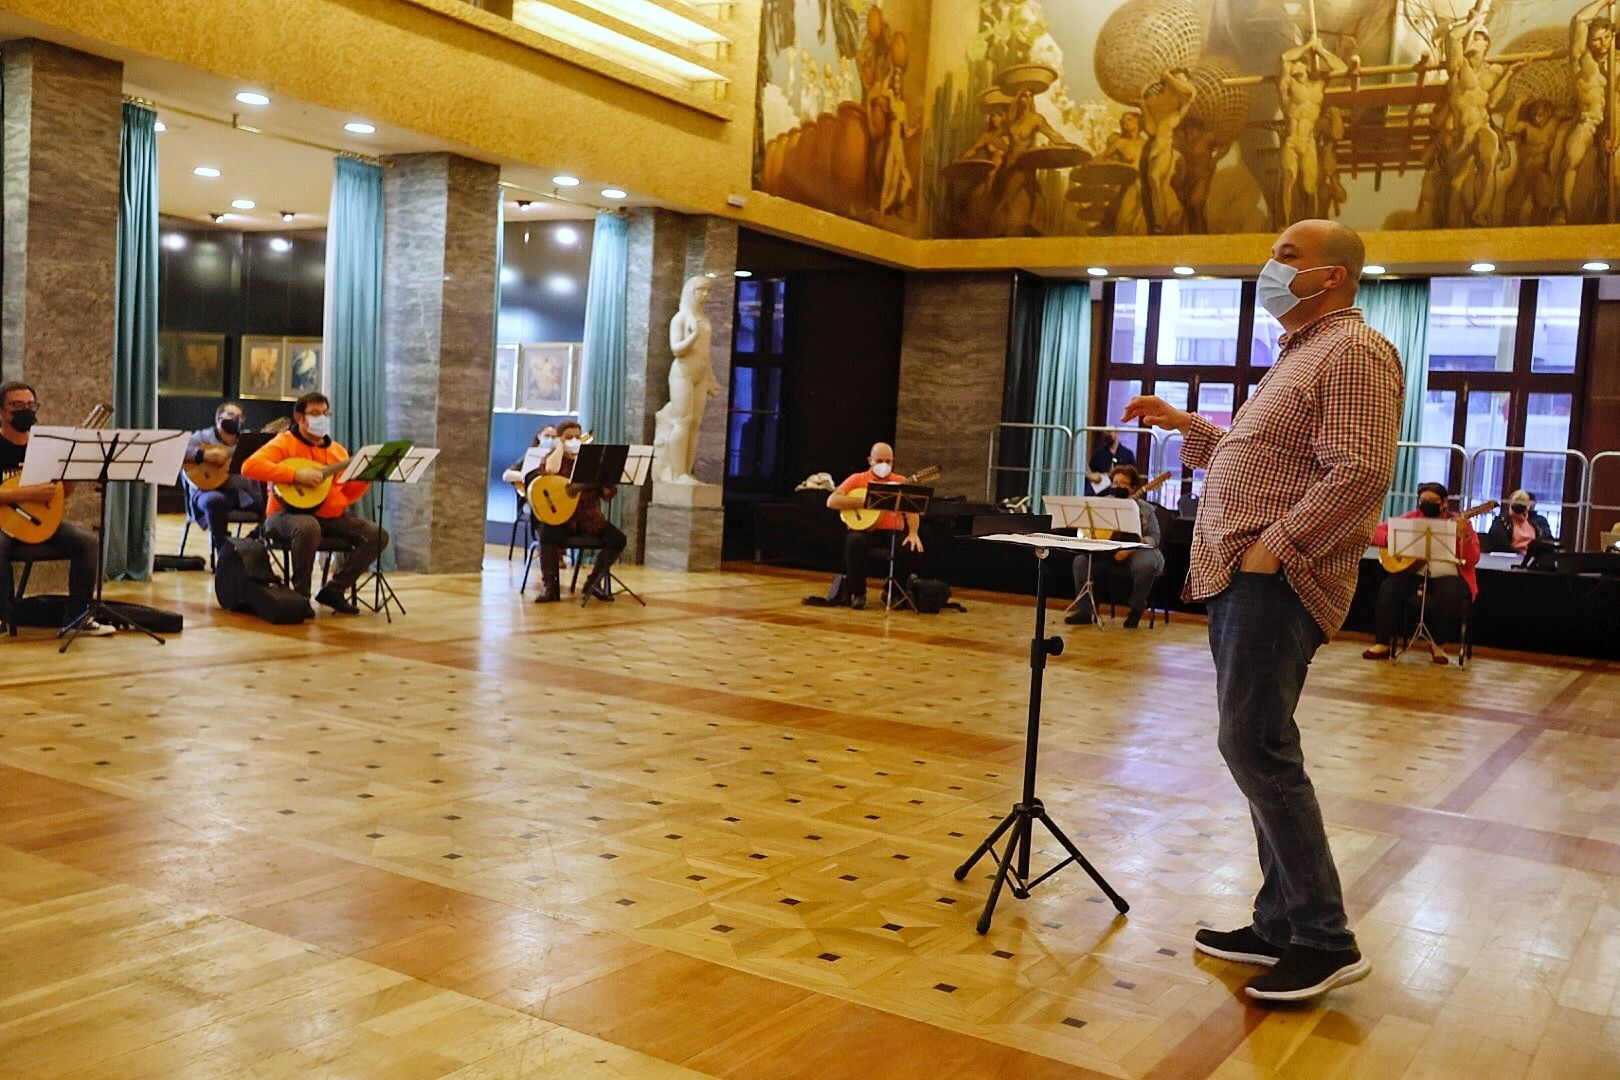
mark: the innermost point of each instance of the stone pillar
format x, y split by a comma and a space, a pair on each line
63, 117
439, 288
953, 366
680, 530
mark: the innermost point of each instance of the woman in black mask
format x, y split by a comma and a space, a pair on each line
1519, 527
1451, 586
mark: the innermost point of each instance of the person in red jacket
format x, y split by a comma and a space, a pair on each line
310, 439
1451, 586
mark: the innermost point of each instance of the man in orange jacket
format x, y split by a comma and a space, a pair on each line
310, 440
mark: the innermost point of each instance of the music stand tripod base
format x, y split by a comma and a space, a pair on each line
1012, 862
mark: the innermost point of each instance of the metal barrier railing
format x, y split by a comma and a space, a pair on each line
1472, 475
1587, 505
995, 468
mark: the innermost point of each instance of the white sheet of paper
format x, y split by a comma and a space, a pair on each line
637, 465
533, 457
414, 464
1424, 538
1094, 512
1055, 541
64, 453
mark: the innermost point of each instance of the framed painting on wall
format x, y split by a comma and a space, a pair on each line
191, 365
303, 366
263, 374
546, 370
506, 372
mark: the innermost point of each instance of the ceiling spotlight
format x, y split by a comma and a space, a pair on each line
252, 97
524, 204
1373, 268
560, 283
566, 235
286, 215
160, 126
360, 127
614, 193
1483, 267
174, 241
1184, 271
280, 243
742, 273
243, 204
1595, 267
206, 170
565, 181
1097, 271
219, 217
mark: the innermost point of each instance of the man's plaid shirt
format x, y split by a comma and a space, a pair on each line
1305, 466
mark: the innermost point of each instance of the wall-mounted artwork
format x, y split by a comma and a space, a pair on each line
304, 360
263, 368
1136, 117
839, 122
506, 365
546, 375
191, 365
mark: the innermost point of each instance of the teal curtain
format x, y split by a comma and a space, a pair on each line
604, 366
1062, 386
1400, 311
132, 508
353, 322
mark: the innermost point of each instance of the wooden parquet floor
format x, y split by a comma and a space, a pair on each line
715, 836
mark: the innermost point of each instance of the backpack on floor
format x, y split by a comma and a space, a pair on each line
931, 595
245, 580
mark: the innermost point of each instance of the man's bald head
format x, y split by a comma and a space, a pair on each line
1328, 258
881, 452
1320, 242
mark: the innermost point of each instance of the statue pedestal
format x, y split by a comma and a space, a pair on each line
684, 525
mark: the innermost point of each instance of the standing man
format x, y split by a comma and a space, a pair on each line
310, 439
213, 446
1291, 494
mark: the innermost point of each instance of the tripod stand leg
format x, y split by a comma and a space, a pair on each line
1020, 836
984, 847
1068, 845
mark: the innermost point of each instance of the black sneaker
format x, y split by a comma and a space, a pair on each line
1133, 620
1244, 946
334, 599
858, 601
820, 601
1305, 972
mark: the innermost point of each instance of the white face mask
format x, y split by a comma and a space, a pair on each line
547, 442
572, 445
882, 469
1275, 287
319, 426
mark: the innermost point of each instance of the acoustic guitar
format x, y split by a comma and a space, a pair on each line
1401, 564
36, 522
308, 498
862, 520
205, 475
1141, 489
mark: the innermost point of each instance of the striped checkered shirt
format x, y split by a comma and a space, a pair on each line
1305, 466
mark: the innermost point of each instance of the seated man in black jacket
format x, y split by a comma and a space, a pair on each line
1517, 529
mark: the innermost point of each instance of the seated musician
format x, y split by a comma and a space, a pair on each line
310, 439
1108, 453
546, 441
588, 520
1517, 529
858, 545
213, 446
1144, 564
1451, 586
19, 407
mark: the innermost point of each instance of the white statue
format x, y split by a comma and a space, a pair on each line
691, 382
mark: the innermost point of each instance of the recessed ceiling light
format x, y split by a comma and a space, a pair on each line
252, 97
160, 126
1595, 267
286, 215
614, 193
1373, 268
206, 170
360, 127
566, 235
174, 242
1184, 271
1097, 271
560, 283
524, 204
280, 243
565, 181
243, 204
742, 273
220, 217
1482, 267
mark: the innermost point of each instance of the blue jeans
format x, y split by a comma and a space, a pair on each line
1263, 639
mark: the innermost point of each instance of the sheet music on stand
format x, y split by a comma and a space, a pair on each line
899, 498
1059, 542
65, 453
600, 464
637, 465
374, 461
1432, 540
1094, 513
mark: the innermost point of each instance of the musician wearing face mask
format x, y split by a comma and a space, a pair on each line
1143, 564
1520, 527
1451, 586
310, 440
214, 445
858, 545
545, 440
588, 520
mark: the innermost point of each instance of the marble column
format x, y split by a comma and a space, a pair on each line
666, 248
63, 116
953, 366
439, 288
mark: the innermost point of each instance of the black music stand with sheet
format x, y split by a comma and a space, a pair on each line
897, 499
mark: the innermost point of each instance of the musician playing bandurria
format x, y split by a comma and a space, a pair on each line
1451, 586
19, 407
588, 520
213, 446
1144, 564
310, 439
858, 545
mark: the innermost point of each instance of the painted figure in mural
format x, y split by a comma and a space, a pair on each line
691, 382
1535, 132
1165, 104
1017, 186
1591, 37
1200, 151
1127, 217
1302, 86
872, 60
1330, 193
897, 183
1474, 89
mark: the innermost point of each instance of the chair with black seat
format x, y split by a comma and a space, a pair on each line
324, 551
22, 587
521, 521
576, 546
1414, 608
237, 518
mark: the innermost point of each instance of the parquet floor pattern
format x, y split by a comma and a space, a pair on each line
714, 837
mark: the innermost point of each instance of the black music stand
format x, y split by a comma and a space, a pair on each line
394, 462
1029, 809
609, 465
898, 499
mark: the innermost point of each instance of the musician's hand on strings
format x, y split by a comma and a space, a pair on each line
1154, 411
308, 478
33, 492
913, 542
216, 455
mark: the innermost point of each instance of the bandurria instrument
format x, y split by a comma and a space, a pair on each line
37, 522
1400, 564
308, 498
205, 475
862, 520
